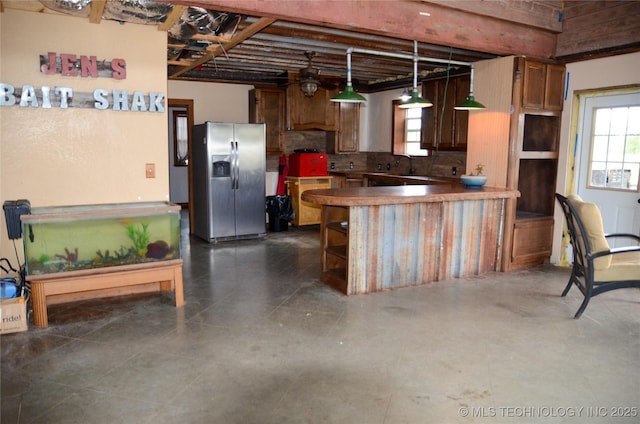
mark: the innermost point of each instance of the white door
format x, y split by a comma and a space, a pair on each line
608, 159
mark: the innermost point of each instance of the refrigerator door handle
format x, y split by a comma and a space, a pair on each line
235, 172
233, 166
237, 167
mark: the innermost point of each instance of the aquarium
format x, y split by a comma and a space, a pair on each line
71, 238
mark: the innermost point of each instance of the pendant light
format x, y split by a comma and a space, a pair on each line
348, 95
309, 77
470, 103
415, 101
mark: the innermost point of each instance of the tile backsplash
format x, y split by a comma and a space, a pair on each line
438, 165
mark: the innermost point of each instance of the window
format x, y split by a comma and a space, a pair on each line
615, 153
407, 126
180, 138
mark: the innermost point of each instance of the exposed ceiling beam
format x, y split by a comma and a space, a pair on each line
423, 21
97, 8
172, 18
220, 49
537, 14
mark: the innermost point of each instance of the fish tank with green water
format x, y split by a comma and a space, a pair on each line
73, 238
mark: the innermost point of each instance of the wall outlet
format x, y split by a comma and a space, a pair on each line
350, 165
150, 170
333, 165
454, 170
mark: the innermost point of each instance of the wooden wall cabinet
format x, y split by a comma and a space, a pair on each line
454, 122
524, 102
543, 87
267, 105
346, 138
317, 112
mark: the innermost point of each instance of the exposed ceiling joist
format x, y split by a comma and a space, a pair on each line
97, 8
220, 49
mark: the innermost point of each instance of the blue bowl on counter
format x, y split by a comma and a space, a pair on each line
473, 181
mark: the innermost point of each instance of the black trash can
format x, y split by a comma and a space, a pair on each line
280, 211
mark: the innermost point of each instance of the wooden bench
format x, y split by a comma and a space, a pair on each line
50, 289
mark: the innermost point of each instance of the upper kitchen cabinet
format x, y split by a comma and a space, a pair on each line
267, 105
443, 127
315, 112
543, 85
346, 138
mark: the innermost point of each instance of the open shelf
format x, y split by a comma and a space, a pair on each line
536, 182
339, 251
540, 133
335, 244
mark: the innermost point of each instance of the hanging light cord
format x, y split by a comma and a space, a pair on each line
444, 102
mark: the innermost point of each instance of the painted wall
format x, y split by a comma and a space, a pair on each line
378, 118
80, 156
616, 71
214, 102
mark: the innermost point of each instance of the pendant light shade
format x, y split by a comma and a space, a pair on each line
415, 101
348, 95
470, 103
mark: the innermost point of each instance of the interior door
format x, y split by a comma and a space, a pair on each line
608, 159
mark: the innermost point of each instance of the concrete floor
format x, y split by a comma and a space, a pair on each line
261, 340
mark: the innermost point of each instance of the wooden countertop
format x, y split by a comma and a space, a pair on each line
391, 195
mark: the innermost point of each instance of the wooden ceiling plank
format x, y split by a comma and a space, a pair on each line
172, 18
239, 38
96, 11
443, 26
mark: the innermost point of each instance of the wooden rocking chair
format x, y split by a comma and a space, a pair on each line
596, 267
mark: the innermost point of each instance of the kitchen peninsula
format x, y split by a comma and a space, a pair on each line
386, 237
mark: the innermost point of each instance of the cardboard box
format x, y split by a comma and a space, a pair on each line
13, 315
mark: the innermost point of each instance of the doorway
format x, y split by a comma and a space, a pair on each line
180, 124
608, 158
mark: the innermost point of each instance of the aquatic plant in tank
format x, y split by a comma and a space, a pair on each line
73, 238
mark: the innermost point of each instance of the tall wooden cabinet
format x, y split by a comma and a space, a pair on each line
346, 138
267, 105
517, 139
443, 127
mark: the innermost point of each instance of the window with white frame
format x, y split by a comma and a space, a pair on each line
407, 131
615, 152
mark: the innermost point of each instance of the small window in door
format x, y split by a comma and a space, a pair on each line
615, 152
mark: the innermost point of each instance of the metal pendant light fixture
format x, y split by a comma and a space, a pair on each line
348, 95
470, 103
415, 101
309, 77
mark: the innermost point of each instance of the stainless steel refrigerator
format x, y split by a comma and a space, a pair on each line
229, 164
